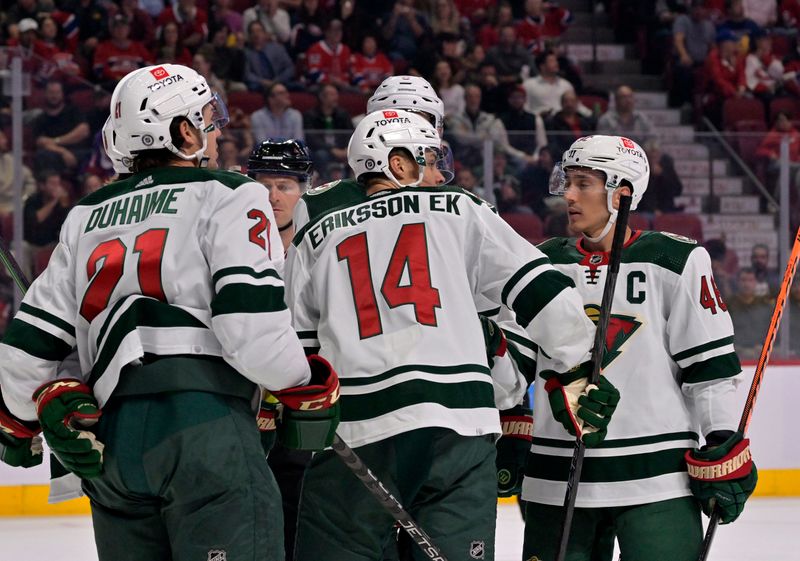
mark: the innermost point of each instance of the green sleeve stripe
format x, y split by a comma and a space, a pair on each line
464, 395
490, 313
311, 350
715, 368
249, 271
49, 318
521, 341
457, 369
516, 277
239, 298
711, 345
144, 312
539, 293
620, 442
307, 335
525, 365
35, 341
610, 469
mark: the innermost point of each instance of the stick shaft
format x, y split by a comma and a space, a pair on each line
763, 359
389, 502
578, 453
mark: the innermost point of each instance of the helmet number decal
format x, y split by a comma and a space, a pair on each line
257, 230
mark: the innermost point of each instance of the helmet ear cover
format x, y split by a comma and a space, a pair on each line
160, 157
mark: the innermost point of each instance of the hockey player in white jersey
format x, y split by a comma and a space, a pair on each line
385, 288
669, 350
166, 283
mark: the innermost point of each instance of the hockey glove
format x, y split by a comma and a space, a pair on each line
494, 339
723, 477
310, 413
582, 408
66, 408
266, 420
512, 449
19, 445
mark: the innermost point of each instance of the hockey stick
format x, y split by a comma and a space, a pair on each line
763, 359
576, 465
389, 502
12, 267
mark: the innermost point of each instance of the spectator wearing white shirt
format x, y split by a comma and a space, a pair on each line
277, 119
274, 19
545, 90
451, 94
763, 12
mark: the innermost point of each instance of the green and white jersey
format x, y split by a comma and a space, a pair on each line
385, 287
511, 373
669, 351
173, 261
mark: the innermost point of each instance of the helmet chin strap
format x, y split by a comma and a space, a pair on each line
199, 155
611, 219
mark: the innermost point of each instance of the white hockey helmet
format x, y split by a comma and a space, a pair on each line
411, 93
120, 160
381, 131
619, 158
145, 102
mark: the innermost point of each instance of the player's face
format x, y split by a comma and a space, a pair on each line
284, 192
431, 175
585, 193
211, 137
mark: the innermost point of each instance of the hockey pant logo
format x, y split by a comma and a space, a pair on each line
477, 549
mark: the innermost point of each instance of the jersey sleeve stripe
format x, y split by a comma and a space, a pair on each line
249, 271
45, 325
490, 313
700, 349
410, 376
521, 341
48, 317
36, 341
538, 293
457, 369
247, 299
518, 276
142, 313
715, 368
465, 395
525, 365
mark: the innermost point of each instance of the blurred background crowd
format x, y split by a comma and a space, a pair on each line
709, 88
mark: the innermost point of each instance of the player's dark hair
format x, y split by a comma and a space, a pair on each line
161, 157
369, 179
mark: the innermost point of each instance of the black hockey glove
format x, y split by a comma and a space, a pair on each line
512, 449
581, 408
723, 477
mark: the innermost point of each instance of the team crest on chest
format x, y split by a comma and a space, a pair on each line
620, 329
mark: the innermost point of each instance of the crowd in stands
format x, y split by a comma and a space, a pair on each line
304, 69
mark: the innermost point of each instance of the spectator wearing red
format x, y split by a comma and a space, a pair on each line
476, 10
142, 27
118, 56
543, 20
489, 33
192, 21
329, 59
27, 46
370, 66
725, 68
50, 46
790, 13
764, 72
770, 147
169, 48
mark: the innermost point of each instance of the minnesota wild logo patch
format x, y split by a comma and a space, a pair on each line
620, 329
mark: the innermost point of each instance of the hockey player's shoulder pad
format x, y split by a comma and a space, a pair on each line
333, 195
664, 249
556, 246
